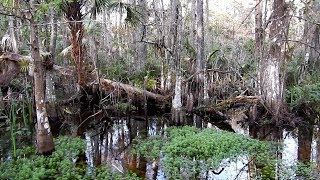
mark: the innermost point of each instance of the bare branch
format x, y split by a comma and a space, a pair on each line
296, 41
158, 45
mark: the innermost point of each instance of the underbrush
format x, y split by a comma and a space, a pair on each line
306, 93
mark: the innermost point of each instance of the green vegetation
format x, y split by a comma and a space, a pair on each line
17, 118
188, 152
306, 93
303, 85
62, 164
120, 71
193, 151
121, 106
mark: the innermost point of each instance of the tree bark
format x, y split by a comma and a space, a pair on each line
50, 86
201, 92
44, 137
107, 37
259, 32
73, 14
312, 37
270, 78
200, 38
140, 35
13, 34
176, 33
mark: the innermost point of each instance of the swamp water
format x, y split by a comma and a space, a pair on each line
111, 145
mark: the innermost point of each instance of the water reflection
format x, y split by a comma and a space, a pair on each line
305, 133
115, 142
317, 137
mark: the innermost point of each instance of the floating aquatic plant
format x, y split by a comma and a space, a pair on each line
60, 165
194, 151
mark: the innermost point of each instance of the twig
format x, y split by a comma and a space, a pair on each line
249, 13
217, 173
310, 21
296, 41
14, 15
247, 164
84, 121
206, 70
158, 45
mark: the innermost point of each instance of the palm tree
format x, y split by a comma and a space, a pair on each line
73, 11
86, 74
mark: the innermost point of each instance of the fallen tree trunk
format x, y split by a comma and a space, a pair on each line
239, 100
131, 91
105, 85
13, 57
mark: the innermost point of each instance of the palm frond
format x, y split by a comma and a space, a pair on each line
133, 15
24, 65
99, 6
65, 51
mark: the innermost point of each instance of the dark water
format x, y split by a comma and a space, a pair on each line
111, 145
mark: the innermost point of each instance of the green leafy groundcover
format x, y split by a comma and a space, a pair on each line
60, 165
193, 151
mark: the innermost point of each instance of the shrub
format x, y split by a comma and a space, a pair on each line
306, 93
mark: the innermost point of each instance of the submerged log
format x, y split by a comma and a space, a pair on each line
217, 118
211, 113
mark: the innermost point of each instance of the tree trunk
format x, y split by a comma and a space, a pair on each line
107, 37
271, 84
73, 14
206, 50
176, 33
312, 39
305, 133
259, 32
50, 89
200, 38
160, 54
194, 24
44, 137
200, 62
140, 35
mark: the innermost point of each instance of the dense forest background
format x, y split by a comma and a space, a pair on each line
74, 61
